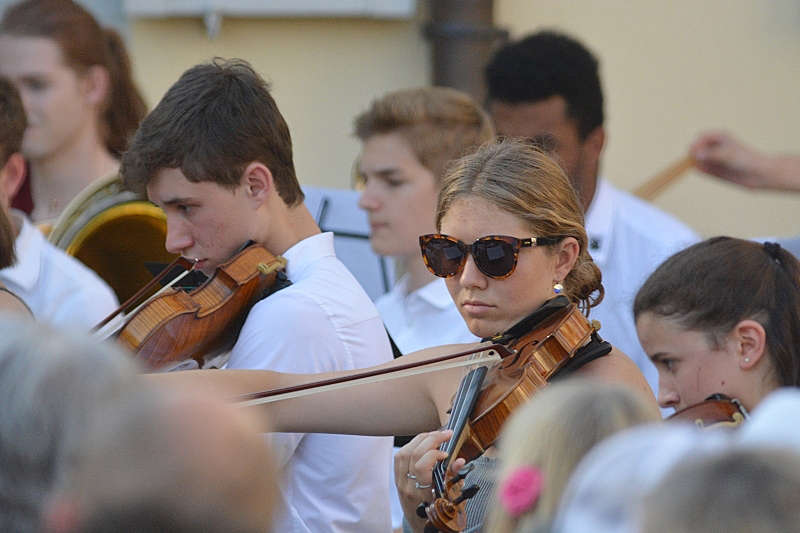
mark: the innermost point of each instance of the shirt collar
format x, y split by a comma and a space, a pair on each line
599, 219
28, 246
436, 294
306, 251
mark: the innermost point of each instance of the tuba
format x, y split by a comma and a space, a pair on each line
115, 232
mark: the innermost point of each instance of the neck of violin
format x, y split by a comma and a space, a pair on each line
463, 403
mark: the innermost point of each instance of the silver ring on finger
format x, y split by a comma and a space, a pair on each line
409, 475
419, 485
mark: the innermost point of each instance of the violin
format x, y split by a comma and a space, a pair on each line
487, 396
718, 410
175, 326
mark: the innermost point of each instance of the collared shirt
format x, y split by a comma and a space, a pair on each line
628, 240
59, 289
423, 318
323, 322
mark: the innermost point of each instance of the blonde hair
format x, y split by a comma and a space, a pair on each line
439, 124
553, 432
525, 182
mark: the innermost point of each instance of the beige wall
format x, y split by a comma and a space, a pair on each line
670, 70
323, 73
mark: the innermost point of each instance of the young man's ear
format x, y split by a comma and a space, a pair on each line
12, 174
258, 181
595, 141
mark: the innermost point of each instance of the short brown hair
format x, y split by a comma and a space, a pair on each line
12, 121
439, 124
214, 121
525, 182
84, 44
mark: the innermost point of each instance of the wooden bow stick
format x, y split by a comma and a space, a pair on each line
652, 187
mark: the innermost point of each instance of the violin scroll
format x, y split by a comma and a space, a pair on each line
447, 513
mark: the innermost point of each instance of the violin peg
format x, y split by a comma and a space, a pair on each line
469, 467
466, 494
421, 508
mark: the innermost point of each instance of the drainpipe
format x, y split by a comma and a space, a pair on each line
463, 39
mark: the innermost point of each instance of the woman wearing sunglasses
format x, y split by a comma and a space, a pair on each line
510, 237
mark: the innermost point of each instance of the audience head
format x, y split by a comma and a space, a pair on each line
51, 384
605, 492
14, 122
722, 316
408, 138
547, 438
214, 122
513, 189
546, 87
175, 460
70, 71
738, 491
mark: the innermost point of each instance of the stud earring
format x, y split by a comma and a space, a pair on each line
557, 287
746, 359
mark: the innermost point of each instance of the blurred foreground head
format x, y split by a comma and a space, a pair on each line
51, 384
174, 461
177, 460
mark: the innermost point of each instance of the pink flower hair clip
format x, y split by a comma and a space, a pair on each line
520, 490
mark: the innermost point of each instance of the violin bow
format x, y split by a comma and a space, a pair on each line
495, 352
652, 187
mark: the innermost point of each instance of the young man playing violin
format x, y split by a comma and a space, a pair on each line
216, 155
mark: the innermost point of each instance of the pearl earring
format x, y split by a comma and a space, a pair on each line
746, 359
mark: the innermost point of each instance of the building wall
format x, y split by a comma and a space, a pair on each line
323, 73
673, 69
670, 70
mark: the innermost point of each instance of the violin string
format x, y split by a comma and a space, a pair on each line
492, 356
462, 406
440, 469
114, 327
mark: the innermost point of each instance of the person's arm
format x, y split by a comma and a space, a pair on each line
404, 406
724, 156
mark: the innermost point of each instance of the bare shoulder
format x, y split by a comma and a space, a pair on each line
616, 367
11, 303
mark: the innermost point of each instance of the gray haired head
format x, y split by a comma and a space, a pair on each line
50, 384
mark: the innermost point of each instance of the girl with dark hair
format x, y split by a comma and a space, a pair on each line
82, 105
722, 316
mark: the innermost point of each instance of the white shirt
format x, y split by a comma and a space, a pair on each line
59, 289
423, 318
323, 322
628, 240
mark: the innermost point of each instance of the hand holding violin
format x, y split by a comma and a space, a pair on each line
413, 469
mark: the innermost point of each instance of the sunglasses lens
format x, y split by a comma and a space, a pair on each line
443, 257
494, 258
